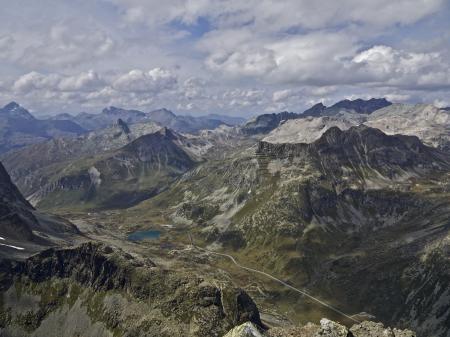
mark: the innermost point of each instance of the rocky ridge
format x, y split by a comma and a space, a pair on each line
98, 290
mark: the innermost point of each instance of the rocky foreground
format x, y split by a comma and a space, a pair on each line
326, 328
98, 290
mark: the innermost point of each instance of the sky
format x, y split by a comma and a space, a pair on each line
233, 57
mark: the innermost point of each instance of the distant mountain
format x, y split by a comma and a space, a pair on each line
19, 128
117, 178
315, 111
430, 124
180, 123
267, 122
309, 129
359, 106
22, 228
425, 121
30, 167
230, 120
163, 117
105, 119
362, 106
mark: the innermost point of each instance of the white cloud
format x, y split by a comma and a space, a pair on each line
214, 55
81, 82
154, 80
400, 68
35, 81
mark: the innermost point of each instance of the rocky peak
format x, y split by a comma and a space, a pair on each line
9, 192
111, 110
363, 148
11, 106
14, 110
123, 126
362, 106
267, 122
168, 133
315, 110
162, 116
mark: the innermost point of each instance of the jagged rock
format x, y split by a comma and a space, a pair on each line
267, 122
331, 329
247, 329
371, 329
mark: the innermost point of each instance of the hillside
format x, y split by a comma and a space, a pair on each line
429, 123
23, 230
117, 178
360, 206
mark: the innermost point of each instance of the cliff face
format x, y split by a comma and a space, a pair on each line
115, 293
21, 224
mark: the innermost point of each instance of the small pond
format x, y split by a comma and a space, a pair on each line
141, 235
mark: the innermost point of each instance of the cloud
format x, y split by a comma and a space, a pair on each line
388, 66
82, 82
154, 80
59, 46
229, 56
269, 15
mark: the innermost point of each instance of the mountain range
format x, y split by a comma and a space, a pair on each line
268, 122
359, 206
19, 128
429, 123
163, 117
248, 230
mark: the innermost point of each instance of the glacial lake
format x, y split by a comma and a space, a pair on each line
142, 235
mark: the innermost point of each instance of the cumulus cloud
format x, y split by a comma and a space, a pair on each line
401, 68
239, 56
154, 80
58, 46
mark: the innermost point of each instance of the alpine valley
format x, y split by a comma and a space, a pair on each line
331, 222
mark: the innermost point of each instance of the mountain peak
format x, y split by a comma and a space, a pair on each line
166, 132
362, 106
315, 110
12, 106
162, 111
110, 110
15, 110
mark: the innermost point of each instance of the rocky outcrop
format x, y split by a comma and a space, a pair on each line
371, 329
326, 328
267, 122
361, 149
177, 303
361, 106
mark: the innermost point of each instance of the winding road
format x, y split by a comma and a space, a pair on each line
302, 292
